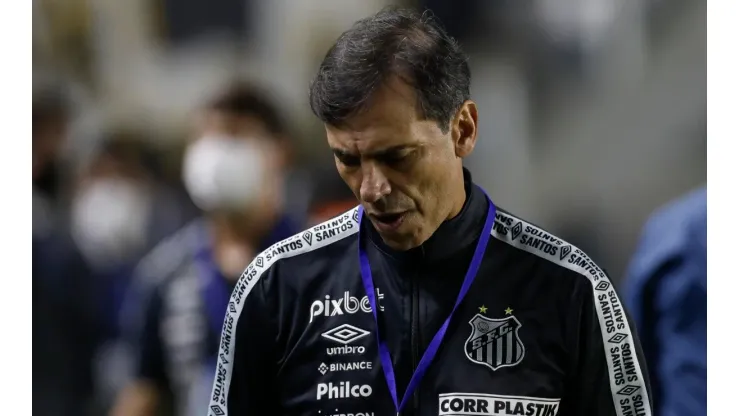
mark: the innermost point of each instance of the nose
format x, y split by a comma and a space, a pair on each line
374, 185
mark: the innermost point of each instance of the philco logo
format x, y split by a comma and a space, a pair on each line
345, 305
343, 390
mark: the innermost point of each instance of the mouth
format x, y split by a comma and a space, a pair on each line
388, 222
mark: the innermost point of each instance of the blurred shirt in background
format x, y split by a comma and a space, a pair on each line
65, 328
120, 208
235, 171
666, 292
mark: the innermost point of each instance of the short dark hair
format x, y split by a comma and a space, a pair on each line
394, 42
246, 100
130, 146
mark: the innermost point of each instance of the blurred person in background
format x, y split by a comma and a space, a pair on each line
112, 205
65, 329
234, 171
666, 292
120, 208
329, 199
50, 123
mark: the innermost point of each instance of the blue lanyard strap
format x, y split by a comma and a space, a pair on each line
431, 351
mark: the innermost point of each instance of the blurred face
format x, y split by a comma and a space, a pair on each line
46, 146
218, 123
256, 178
111, 210
403, 169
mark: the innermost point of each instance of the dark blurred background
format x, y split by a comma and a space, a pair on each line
592, 114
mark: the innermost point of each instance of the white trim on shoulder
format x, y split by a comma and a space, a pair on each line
321, 235
626, 377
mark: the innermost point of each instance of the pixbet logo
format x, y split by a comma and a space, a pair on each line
343, 390
347, 304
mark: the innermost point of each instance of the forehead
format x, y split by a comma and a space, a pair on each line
224, 123
392, 118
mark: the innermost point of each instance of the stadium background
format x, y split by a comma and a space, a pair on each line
592, 112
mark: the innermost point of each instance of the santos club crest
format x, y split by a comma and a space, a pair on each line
494, 343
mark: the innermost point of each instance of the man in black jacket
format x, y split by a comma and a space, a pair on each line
426, 299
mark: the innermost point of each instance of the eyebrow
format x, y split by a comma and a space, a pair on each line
377, 153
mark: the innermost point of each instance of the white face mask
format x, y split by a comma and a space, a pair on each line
110, 219
224, 173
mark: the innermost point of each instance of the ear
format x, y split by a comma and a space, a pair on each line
464, 129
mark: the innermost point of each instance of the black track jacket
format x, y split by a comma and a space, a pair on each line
541, 332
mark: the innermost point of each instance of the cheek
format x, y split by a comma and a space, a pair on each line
433, 181
423, 191
431, 192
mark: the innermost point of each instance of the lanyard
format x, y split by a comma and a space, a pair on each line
428, 357
215, 290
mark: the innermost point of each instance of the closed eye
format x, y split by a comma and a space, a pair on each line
392, 158
398, 158
346, 158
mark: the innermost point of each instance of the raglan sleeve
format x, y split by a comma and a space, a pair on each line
609, 375
244, 380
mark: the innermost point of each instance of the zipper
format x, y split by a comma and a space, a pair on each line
414, 339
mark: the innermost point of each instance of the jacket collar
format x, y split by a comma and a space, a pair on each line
451, 237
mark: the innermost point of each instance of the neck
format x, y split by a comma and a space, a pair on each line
457, 232
227, 229
458, 199
234, 241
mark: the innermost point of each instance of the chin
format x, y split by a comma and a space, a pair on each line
404, 236
401, 241
401, 244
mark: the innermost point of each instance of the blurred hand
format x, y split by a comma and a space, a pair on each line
140, 398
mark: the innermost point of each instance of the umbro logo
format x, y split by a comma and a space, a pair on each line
345, 334
564, 251
516, 230
308, 237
